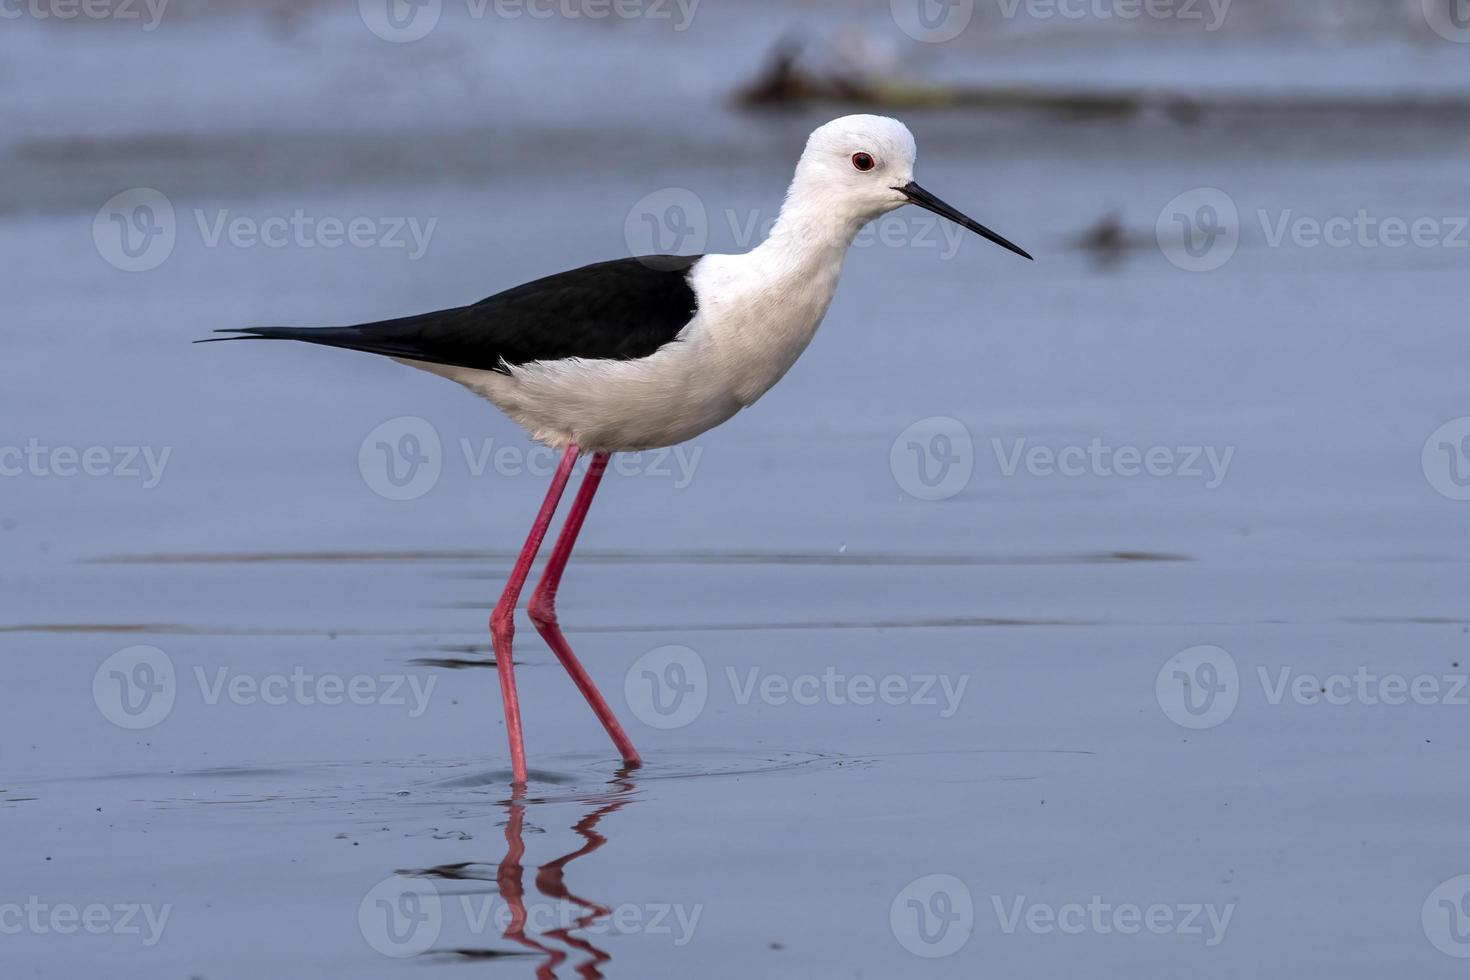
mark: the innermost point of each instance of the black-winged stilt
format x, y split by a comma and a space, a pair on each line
641, 353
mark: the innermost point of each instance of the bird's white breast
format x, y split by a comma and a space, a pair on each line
760, 313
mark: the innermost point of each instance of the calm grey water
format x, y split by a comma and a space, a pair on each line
1104, 613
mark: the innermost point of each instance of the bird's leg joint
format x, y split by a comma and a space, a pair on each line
502, 626
542, 609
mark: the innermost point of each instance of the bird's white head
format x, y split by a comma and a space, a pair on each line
858, 163
858, 168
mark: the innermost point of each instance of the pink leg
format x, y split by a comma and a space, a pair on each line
502, 620
542, 608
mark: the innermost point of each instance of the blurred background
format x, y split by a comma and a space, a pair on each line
1169, 514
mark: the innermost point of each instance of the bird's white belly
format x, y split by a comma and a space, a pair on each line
661, 400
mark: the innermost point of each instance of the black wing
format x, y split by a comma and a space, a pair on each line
617, 310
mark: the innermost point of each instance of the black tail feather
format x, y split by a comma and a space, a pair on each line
245, 333
363, 338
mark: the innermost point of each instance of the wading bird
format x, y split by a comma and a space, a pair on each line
647, 352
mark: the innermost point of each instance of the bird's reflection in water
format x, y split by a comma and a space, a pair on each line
523, 928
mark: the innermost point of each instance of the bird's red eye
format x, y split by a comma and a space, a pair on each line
863, 162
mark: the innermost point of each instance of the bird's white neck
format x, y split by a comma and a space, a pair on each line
813, 231
763, 308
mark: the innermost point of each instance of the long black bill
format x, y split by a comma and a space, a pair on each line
917, 195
